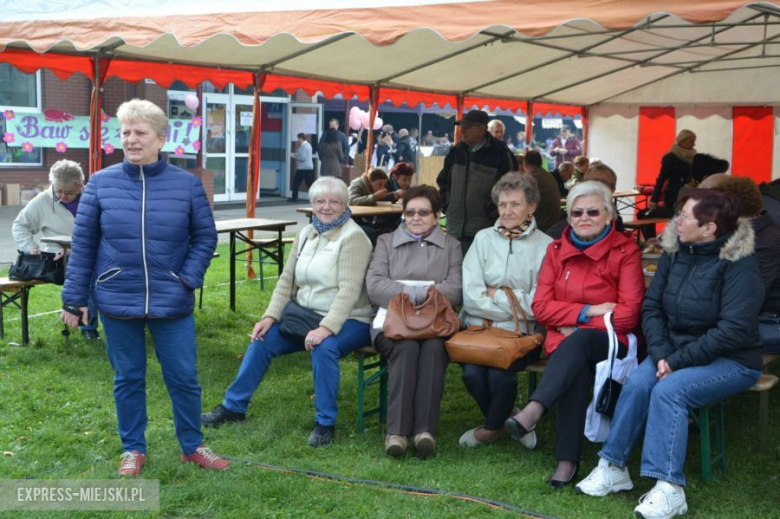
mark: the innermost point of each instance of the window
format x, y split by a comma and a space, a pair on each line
18, 92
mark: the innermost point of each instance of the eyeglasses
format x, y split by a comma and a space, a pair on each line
422, 212
683, 216
323, 203
60, 192
593, 213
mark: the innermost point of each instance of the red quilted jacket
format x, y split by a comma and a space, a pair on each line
609, 271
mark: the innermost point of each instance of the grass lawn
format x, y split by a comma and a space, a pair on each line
57, 421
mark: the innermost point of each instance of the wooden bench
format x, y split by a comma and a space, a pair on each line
365, 380
16, 293
708, 419
273, 249
635, 225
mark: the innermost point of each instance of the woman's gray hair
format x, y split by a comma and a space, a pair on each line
329, 186
587, 188
514, 181
141, 110
66, 173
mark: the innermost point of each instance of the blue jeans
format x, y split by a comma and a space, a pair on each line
324, 362
660, 410
174, 343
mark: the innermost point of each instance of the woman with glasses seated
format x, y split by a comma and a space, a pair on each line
53, 213
591, 270
326, 276
416, 256
700, 321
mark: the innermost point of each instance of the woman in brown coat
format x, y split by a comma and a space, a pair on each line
414, 257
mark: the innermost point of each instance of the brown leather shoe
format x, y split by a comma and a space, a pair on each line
132, 463
206, 459
395, 445
424, 445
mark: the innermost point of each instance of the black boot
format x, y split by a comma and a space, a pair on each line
221, 415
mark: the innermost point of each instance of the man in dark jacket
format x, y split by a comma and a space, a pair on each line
405, 151
471, 168
548, 212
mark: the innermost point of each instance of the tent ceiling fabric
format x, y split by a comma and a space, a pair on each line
650, 52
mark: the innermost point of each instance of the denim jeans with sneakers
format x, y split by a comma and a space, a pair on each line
324, 362
660, 410
174, 344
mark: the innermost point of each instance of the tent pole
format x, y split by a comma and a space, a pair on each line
253, 173
529, 123
95, 138
458, 117
373, 106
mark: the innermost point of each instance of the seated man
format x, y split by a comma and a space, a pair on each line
548, 212
368, 189
563, 174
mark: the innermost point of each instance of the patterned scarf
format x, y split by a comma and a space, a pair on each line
418, 237
338, 222
513, 234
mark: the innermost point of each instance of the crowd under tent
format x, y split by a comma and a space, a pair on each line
635, 72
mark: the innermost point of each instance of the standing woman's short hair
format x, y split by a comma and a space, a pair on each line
141, 110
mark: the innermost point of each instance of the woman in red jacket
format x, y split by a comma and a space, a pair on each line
591, 270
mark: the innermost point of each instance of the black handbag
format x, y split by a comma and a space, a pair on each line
296, 321
40, 267
608, 397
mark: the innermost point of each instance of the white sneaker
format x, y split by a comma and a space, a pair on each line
605, 479
662, 502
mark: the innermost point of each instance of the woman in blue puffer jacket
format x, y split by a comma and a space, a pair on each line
143, 239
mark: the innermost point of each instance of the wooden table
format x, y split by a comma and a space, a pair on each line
628, 199
274, 249
380, 209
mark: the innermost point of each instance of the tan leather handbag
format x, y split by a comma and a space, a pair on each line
487, 345
433, 318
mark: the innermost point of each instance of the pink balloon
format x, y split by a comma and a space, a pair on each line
363, 118
191, 101
354, 111
378, 123
354, 121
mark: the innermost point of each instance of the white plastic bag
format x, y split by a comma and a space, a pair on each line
596, 424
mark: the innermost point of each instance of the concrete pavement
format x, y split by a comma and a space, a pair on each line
285, 211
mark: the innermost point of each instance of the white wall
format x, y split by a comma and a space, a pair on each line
613, 135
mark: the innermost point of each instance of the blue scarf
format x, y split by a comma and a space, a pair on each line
338, 222
584, 244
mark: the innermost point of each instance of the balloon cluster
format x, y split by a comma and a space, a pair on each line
358, 119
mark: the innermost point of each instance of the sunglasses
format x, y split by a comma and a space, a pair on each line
422, 212
593, 213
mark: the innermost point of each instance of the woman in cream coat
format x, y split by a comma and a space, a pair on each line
329, 278
508, 254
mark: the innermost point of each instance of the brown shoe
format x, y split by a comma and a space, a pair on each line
132, 463
424, 445
395, 445
206, 459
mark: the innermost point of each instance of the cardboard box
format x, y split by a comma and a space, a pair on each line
12, 194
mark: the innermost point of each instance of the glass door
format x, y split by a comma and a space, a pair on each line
305, 118
216, 137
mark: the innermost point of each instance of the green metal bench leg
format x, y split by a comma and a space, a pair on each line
361, 390
703, 420
711, 462
364, 382
383, 389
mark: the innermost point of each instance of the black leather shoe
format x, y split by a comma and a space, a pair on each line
221, 415
322, 435
557, 485
91, 335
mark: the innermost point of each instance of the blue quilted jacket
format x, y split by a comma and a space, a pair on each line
143, 239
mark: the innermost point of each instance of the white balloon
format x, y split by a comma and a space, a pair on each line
191, 101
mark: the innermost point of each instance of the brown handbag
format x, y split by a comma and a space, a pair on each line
433, 318
487, 345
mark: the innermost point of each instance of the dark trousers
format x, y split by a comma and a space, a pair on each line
659, 212
568, 381
495, 389
300, 176
417, 370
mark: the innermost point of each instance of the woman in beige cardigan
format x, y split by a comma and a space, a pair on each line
327, 276
417, 251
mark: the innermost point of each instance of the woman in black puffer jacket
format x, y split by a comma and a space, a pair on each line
700, 320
